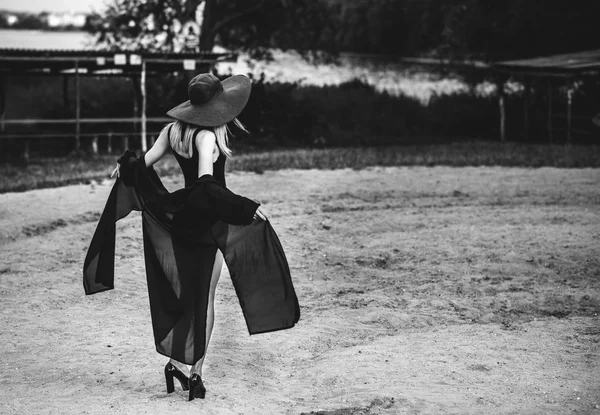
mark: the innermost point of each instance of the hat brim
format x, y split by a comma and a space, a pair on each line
218, 110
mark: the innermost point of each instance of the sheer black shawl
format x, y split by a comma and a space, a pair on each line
182, 231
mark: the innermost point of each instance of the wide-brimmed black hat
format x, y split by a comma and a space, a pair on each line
212, 102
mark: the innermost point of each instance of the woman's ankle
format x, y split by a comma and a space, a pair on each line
182, 367
196, 370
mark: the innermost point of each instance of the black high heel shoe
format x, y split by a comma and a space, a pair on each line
171, 372
197, 389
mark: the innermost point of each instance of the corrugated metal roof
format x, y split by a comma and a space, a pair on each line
97, 62
568, 64
17, 52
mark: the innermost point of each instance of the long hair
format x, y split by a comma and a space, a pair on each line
181, 136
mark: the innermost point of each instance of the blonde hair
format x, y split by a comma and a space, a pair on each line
182, 144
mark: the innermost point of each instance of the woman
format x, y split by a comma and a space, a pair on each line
189, 233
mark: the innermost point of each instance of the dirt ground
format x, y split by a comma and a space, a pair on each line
422, 291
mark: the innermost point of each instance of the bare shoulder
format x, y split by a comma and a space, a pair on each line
205, 137
206, 141
162, 140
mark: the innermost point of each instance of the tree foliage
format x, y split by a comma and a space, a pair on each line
240, 24
141, 24
483, 29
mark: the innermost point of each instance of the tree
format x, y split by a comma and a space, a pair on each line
247, 24
479, 29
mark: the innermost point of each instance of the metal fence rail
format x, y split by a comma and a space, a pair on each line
146, 137
35, 121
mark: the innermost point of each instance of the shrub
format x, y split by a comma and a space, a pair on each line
292, 115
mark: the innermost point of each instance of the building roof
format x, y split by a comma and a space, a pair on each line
570, 64
105, 63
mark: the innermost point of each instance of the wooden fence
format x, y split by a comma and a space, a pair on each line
112, 139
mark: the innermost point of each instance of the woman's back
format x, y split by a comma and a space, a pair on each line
189, 166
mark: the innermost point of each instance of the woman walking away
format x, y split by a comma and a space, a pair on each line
190, 232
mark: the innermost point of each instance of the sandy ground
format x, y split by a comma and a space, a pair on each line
422, 290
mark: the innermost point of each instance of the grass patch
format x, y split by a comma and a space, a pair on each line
457, 154
53, 172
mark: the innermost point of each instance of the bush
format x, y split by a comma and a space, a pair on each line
292, 115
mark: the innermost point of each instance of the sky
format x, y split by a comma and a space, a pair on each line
52, 5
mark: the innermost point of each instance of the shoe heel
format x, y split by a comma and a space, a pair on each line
198, 393
197, 389
172, 372
169, 380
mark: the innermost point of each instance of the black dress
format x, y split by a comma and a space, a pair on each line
182, 232
189, 167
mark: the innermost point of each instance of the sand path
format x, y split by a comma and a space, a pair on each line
422, 290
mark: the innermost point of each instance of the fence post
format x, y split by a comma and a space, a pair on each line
66, 101
143, 93
125, 143
26, 151
95, 145
77, 107
136, 107
2, 103
550, 113
569, 107
109, 145
502, 111
2, 107
526, 94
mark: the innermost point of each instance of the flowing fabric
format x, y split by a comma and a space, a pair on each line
182, 232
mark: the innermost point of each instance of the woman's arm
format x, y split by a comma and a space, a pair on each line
206, 142
158, 150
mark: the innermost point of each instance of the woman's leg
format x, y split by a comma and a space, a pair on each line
182, 367
210, 312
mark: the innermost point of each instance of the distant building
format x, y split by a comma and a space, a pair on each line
11, 19
56, 20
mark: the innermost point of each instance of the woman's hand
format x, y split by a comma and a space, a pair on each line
261, 214
116, 171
